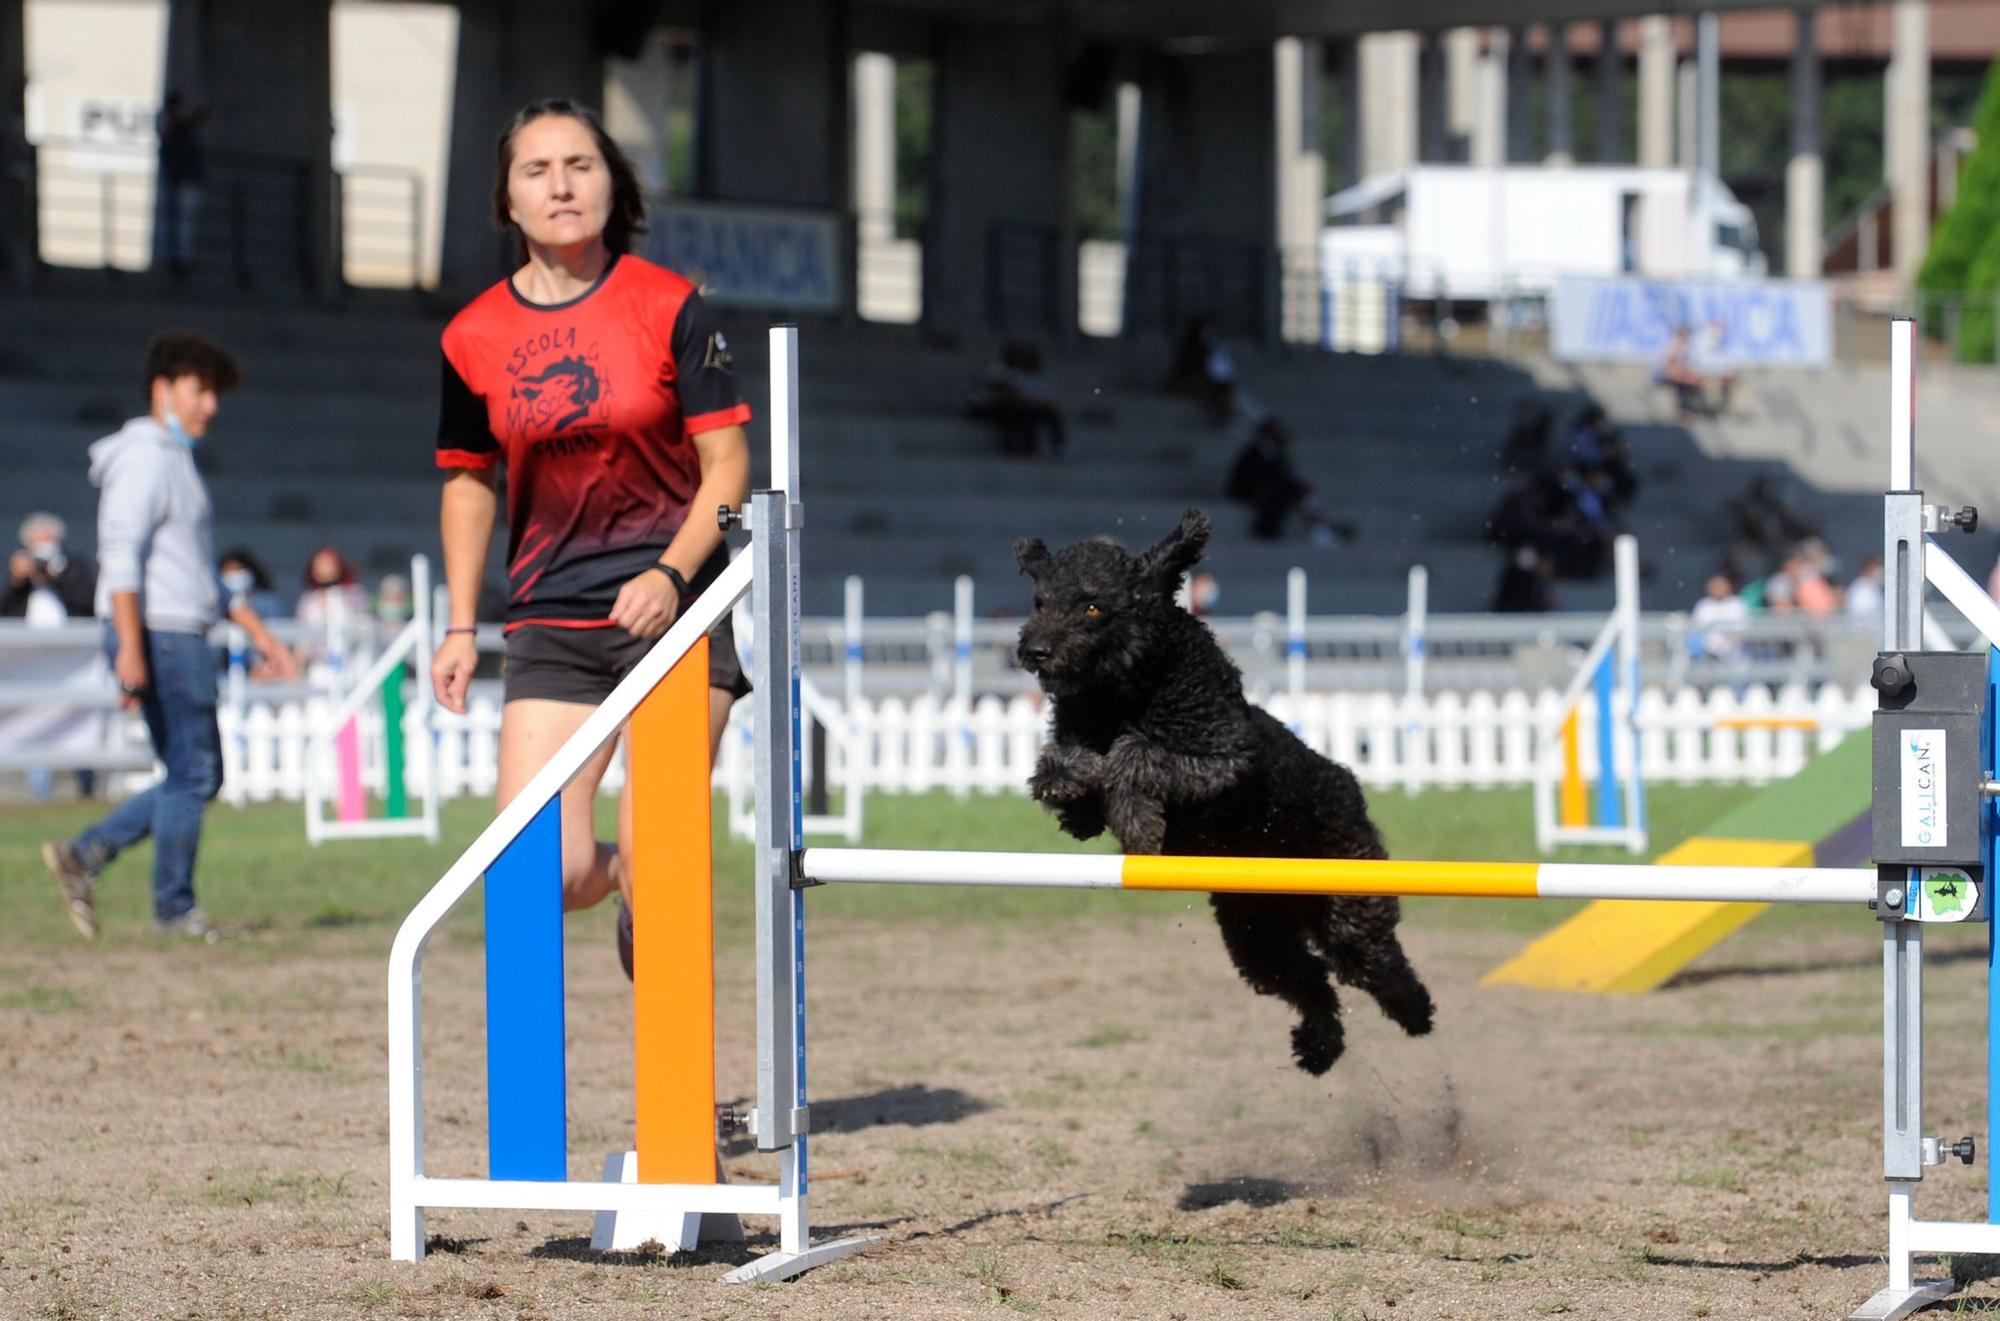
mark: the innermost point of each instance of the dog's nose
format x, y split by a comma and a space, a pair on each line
1034, 655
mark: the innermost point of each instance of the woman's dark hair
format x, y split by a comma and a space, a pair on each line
347, 576
628, 204
177, 353
241, 555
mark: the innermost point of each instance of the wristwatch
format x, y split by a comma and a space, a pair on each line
674, 576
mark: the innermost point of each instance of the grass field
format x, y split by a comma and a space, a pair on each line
1050, 1103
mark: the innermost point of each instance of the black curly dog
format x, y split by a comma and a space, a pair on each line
1154, 739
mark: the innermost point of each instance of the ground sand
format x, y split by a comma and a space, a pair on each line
1091, 1118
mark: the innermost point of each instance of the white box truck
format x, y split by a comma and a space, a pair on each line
1476, 234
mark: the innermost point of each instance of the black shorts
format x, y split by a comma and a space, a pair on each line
583, 665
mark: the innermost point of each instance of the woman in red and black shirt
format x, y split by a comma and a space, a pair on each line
598, 380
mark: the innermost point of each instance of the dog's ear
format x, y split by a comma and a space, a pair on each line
1177, 552
1033, 555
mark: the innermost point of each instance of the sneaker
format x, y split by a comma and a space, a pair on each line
193, 924
76, 882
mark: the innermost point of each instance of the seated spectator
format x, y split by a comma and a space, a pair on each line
329, 575
245, 579
392, 600
1596, 447
1677, 372
1864, 594
1718, 620
1767, 520
1524, 586
1526, 447
44, 585
1812, 571
1711, 362
1015, 396
1264, 478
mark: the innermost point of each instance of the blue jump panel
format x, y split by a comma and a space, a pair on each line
1610, 803
526, 1129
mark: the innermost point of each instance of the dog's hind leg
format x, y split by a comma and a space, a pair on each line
1267, 941
1360, 941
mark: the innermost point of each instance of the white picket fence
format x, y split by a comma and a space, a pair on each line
1447, 740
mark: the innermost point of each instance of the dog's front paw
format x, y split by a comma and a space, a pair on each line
1065, 775
1082, 819
1139, 822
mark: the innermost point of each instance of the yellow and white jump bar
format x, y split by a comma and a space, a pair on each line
1338, 876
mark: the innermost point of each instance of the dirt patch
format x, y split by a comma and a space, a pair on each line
1086, 1119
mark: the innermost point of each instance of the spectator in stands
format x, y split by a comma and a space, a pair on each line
1264, 477
1599, 449
1766, 519
182, 171
158, 593
1812, 571
1677, 372
46, 588
615, 464
1710, 359
329, 584
1525, 585
1718, 620
1202, 592
44, 585
1864, 594
392, 600
1015, 396
246, 580
1526, 447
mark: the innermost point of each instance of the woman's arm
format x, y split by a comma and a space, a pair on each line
465, 524
648, 604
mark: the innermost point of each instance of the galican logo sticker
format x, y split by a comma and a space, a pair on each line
1924, 825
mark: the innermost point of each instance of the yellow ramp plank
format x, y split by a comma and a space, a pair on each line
1628, 946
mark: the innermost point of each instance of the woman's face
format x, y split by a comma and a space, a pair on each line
558, 187
325, 569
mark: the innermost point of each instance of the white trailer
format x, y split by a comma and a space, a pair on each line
1474, 234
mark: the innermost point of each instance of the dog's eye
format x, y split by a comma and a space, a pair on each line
1038, 602
1090, 610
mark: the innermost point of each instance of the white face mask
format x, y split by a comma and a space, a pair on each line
239, 581
176, 430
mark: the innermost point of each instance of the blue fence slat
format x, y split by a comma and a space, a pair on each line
1610, 803
526, 1129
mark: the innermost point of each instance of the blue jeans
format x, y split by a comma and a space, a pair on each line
179, 706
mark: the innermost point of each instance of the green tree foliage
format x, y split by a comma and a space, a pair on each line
1964, 256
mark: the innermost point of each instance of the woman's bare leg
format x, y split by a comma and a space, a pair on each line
531, 731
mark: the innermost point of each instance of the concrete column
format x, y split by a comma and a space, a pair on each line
1432, 102
20, 245
1463, 72
775, 128
1656, 92
1489, 136
1805, 177
1687, 119
1520, 106
1208, 196
1708, 124
1301, 180
874, 147
1344, 66
1388, 102
265, 74
1130, 112
1908, 142
1000, 176
1558, 149
1612, 148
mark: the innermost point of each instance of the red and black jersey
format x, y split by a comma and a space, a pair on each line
592, 403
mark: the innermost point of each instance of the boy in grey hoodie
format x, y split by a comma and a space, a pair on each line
158, 595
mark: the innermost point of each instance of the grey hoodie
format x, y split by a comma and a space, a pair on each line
153, 529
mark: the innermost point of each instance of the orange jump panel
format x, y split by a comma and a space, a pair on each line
673, 937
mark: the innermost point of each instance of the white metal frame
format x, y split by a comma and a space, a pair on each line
413, 642
1621, 630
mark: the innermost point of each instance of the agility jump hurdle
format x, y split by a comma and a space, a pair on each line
1938, 878
1566, 811
336, 735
